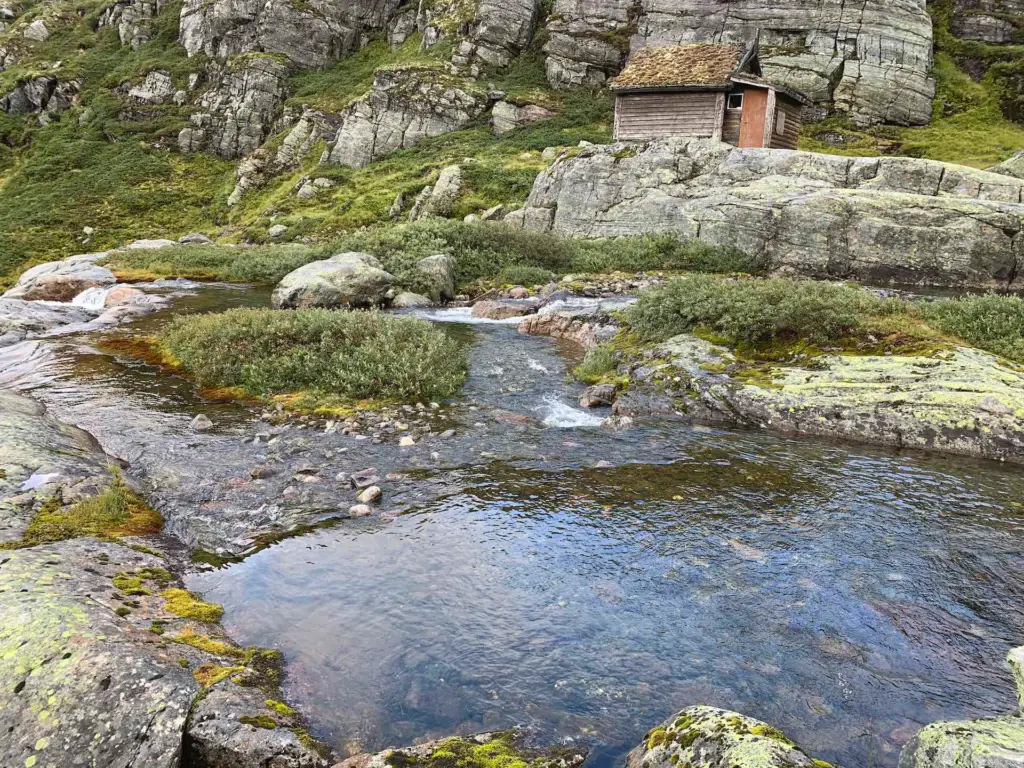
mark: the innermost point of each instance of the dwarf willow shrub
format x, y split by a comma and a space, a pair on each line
599, 362
352, 354
992, 322
757, 311
525, 276
665, 251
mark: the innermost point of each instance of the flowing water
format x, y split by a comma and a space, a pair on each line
583, 582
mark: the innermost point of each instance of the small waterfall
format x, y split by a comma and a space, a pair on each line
563, 416
91, 298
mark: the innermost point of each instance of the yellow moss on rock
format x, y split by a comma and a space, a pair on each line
183, 603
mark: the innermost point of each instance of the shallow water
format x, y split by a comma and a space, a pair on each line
584, 582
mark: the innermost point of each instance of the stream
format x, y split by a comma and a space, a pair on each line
538, 569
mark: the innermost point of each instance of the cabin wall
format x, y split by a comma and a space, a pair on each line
731, 126
791, 134
646, 116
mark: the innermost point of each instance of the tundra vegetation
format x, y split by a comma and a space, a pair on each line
780, 316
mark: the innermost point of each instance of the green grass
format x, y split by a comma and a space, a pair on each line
599, 363
353, 355
116, 511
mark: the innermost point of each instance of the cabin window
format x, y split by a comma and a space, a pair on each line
780, 123
735, 101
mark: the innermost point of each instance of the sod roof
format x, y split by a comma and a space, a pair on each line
694, 64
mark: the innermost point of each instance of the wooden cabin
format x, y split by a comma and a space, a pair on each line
705, 90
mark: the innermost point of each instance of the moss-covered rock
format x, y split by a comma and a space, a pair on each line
706, 737
994, 741
957, 400
502, 749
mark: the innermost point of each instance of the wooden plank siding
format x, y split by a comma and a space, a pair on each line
646, 116
731, 127
791, 135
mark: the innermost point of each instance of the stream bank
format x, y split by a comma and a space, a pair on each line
529, 566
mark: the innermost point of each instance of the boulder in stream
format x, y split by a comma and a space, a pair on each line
59, 281
438, 274
345, 280
706, 737
503, 310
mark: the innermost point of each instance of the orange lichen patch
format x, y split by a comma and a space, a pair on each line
681, 65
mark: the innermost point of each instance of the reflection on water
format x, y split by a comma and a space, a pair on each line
847, 599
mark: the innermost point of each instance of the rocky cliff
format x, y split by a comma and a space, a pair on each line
875, 219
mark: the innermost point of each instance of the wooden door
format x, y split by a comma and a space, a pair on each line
755, 105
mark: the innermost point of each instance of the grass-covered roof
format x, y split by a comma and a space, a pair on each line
694, 64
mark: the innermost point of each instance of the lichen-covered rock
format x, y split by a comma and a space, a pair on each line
995, 742
875, 219
588, 41
313, 34
506, 116
157, 88
46, 96
706, 737
133, 20
991, 742
477, 751
59, 281
76, 682
230, 727
41, 457
501, 29
344, 280
962, 401
437, 275
438, 200
871, 59
239, 112
404, 107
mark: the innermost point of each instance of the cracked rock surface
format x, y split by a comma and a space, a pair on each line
882, 219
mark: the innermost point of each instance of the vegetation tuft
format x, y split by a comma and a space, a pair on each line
114, 512
758, 313
355, 355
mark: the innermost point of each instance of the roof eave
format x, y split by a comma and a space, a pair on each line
656, 88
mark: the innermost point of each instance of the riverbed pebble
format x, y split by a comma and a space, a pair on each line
360, 510
407, 441
370, 495
201, 423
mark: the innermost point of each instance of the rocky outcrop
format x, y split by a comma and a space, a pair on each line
59, 281
706, 737
494, 309
344, 280
588, 40
404, 107
500, 31
502, 747
157, 88
507, 116
438, 199
870, 59
961, 401
874, 219
46, 96
40, 458
100, 666
584, 322
239, 112
313, 34
133, 20
983, 743
20, 319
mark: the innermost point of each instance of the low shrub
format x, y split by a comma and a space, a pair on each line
356, 355
525, 276
994, 323
480, 251
758, 311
